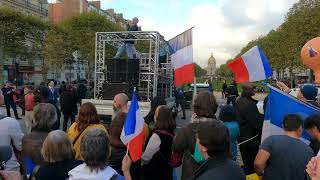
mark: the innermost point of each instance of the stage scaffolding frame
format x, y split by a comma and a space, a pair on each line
154, 79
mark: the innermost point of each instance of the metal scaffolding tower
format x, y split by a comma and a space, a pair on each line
155, 79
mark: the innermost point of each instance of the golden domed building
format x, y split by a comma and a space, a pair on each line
211, 68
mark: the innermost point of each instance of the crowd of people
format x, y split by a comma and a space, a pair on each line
211, 146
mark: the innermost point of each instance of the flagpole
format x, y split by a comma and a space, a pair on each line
128, 148
194, 88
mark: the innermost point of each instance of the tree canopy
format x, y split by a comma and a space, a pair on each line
21, 36
198, 71
282, 46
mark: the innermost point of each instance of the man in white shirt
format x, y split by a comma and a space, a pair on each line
11, 135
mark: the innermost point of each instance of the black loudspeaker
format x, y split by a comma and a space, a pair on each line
123, 71
109, 90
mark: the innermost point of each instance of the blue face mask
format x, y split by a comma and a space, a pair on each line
197, 156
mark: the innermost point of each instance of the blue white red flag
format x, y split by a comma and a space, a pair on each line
280, 104
132, 134
182, 58
252, 66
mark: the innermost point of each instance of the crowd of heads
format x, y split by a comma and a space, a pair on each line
213, 136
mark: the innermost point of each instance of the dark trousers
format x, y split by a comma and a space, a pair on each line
181, 102
248, 154
14, 107
232, 100
223, 93
66, 117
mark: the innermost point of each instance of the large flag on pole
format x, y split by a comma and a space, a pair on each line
252, 66
182, 58
280, 104
132, 133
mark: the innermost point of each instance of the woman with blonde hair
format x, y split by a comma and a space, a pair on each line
88, 119
58, 155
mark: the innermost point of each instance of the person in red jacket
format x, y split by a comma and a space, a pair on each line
29, 105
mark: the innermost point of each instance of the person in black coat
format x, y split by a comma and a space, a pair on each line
8, 91
68, 103
58, 155
213, 143
155, 158
250, 124
41, 96
155, 102
224, 88
232, 93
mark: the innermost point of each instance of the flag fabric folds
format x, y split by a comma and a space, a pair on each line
132, 134
182, 57
252, 66
280, 104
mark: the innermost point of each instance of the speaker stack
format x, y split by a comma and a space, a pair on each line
122, 77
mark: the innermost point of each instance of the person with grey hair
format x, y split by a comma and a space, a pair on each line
128, 45
120, 103
58, 154
95, 150
44, 118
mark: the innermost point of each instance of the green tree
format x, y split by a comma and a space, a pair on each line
224, 72
82, 31
21, 36
282, 46
198, 71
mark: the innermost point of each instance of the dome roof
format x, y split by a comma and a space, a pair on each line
211, 59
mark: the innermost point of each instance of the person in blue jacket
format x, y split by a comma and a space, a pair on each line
227, 116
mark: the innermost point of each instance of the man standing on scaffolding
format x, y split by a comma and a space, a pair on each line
127, 45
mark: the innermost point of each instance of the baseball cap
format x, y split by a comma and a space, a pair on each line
309, 91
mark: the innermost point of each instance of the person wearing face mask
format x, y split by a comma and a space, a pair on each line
213, 143
250, 123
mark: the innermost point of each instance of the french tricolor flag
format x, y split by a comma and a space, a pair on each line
182, 58
252, 66
132, 134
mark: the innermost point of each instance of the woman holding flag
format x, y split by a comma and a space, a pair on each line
156, 157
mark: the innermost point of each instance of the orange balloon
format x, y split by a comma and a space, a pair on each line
310, 56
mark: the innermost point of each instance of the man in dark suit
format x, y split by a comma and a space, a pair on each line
8, 92
52, 93
53, 99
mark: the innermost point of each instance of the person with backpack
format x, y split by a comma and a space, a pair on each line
156, 157
184, 145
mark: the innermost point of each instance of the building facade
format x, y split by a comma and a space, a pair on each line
37, 8
211, 68
65, 9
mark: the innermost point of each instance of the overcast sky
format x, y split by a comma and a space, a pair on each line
222, 27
